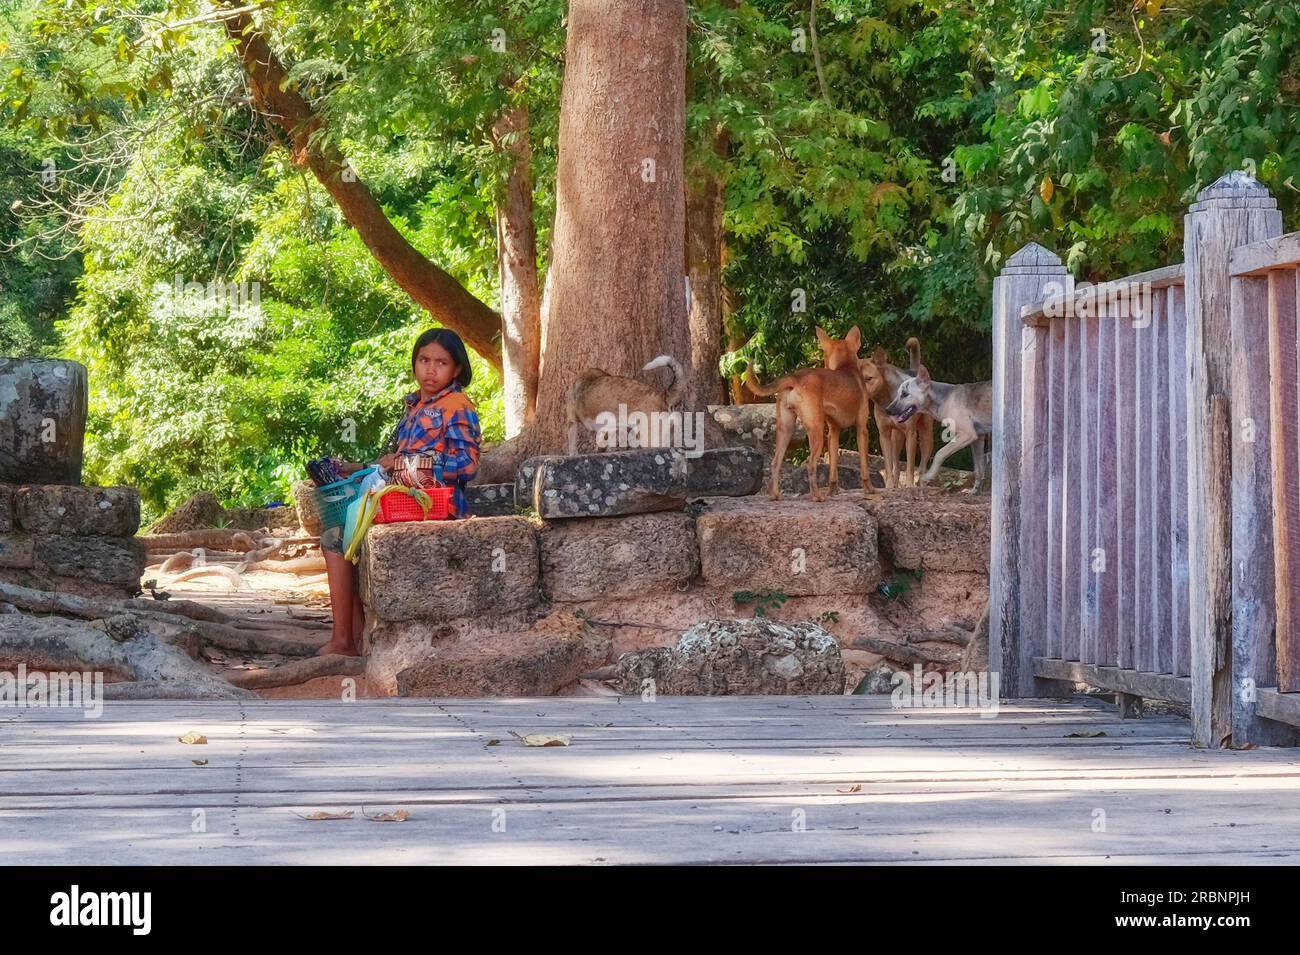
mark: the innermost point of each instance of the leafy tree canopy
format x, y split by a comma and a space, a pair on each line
876, 170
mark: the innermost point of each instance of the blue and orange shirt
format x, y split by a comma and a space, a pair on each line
438, 438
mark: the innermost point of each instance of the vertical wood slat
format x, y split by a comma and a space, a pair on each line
1161, 650
1125, 492
1252, 502
1284, 368
1179, 623
1070, 571
1107, 509
1084, 433
1140, 572
1056, 470
1034, 449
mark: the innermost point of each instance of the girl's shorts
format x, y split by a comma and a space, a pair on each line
332, 540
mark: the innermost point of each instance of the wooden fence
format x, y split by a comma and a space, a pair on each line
1143, 527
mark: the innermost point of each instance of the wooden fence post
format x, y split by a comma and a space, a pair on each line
1018, 559
1235, 210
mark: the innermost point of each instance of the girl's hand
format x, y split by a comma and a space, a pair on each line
387, 461
348, 467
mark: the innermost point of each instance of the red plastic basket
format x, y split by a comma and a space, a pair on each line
397, 507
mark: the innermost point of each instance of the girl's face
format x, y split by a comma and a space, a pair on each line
434, 369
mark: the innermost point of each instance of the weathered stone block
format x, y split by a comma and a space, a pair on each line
739, 657
106, 560
439, 570
794, 477
754, 425
617, 557
58, 509
930, 529
525, 664
735, 472
491, 500
42, 421
16, 550
524, 479
616, 482
796, 547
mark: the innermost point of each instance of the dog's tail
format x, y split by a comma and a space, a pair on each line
914, 353
677, 388
764, 391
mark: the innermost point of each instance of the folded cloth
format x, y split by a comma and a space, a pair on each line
325, 471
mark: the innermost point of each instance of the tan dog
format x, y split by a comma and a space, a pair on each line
882, 382
595, 393
831, 398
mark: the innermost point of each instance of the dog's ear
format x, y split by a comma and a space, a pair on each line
822, 338
923, 374
880, 356
854, 338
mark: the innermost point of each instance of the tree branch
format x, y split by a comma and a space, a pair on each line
432, 288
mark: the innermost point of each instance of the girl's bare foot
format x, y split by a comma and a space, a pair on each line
342, 647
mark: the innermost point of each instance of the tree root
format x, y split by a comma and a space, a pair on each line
216, 538
52, 643
230, 575
174, 690
299, 671
182, 614
298, 565
904, 653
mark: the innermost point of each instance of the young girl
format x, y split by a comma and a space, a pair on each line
437, 436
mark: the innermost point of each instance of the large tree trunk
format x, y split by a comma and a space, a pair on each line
704, 202
615, 295
521, 309
277, 99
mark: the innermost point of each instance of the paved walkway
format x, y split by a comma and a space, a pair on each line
739, 780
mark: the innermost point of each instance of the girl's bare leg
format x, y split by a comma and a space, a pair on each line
344, 601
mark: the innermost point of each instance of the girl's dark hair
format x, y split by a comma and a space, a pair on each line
454, 346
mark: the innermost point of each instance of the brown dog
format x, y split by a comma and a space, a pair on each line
831, 398
882, 381
595, 397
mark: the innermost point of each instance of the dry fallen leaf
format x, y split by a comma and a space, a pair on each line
1085, 734
192, 737
855, 788
199, 762
546, 739
400, 816
318, 815
494, 742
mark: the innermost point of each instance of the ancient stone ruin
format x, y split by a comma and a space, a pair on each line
55, 533
626, 553
600, 572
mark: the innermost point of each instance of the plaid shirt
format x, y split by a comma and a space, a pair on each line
437, 437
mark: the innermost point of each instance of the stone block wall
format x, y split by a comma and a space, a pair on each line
537, 602
71, 539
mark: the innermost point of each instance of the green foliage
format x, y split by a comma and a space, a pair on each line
764, 601
948, 136
899, 583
